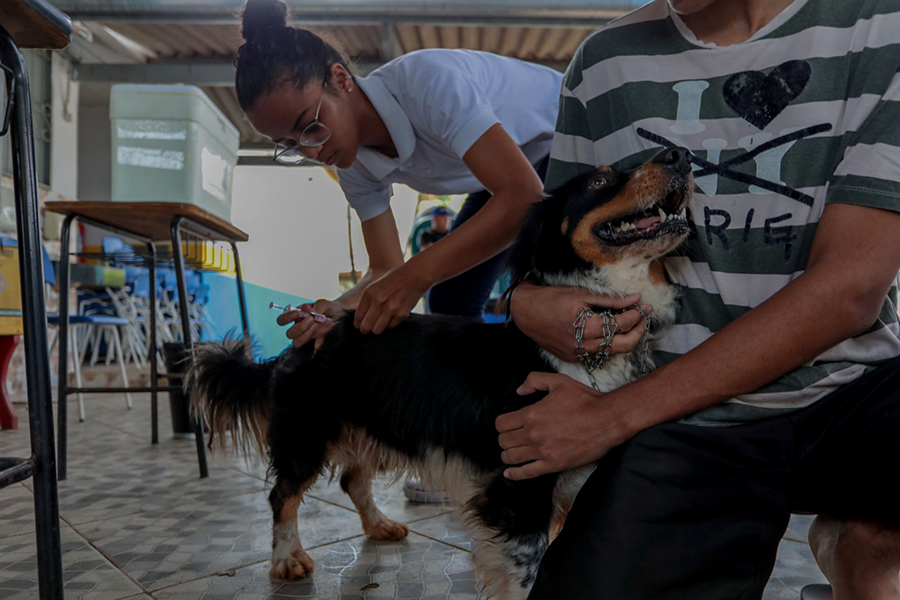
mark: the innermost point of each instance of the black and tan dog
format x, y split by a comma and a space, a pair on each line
423, 397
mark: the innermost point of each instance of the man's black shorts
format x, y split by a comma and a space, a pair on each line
697, 513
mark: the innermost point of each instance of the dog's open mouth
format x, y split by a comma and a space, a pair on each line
666, 216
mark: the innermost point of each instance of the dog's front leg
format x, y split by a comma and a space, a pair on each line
357, 483
289, 559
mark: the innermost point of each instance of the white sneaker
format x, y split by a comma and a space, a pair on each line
416, 492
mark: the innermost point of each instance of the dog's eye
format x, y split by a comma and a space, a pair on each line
598, 183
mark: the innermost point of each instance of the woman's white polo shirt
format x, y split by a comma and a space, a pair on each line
436, 104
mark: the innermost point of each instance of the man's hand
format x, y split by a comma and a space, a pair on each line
570, 427
545, 314
305, 328
388, 301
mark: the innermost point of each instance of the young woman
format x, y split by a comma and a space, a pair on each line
440, 121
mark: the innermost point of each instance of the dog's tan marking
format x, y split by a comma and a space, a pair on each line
657, 273
605, 169
289, 559
586, 246
642, 190
565, 226
357, 482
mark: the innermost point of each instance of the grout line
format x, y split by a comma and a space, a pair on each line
33, 524
333, 542
424, 535
440, 514
104, 555
329, 502
140, 512
139, 595
208, 576
250, 475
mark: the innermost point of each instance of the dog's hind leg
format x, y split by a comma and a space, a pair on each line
299, 433
356, 481
289, 559
509, 522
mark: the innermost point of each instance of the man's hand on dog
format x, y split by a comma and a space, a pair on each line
545, 314
568, 428
389, 300
305, 328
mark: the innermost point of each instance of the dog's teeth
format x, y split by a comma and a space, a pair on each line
662, 216
683, 213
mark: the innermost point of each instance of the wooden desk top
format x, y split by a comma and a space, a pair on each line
151, 220
35, 24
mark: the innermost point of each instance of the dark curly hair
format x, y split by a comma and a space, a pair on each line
274, 53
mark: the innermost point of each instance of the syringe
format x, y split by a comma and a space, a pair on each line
317, 317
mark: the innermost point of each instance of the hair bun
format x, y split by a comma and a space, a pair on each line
261, 15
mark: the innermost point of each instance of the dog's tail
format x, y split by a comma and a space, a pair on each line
231, 392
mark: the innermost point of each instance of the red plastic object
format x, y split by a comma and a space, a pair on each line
8, 417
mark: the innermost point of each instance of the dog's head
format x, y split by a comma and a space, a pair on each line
607, 216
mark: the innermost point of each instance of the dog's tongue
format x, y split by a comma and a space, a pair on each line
646, 222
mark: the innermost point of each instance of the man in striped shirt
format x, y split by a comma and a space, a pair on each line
779, 389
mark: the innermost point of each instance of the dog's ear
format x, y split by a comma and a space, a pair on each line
543, 221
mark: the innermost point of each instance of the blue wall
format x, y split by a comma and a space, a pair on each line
269, 338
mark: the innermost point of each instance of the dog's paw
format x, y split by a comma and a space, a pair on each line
387, 530
297, 566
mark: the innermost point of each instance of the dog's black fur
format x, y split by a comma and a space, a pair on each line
428, 390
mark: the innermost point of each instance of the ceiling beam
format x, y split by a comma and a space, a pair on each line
548, 18
202, 73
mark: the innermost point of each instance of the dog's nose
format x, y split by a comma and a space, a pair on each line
674, 158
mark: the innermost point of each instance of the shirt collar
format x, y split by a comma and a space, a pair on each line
398, 126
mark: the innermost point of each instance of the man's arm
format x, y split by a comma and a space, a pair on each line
854, 259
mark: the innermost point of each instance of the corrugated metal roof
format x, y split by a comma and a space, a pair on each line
361, 42
369, 32
345, 10
173, 42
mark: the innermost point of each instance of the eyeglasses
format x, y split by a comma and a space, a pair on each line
313, 135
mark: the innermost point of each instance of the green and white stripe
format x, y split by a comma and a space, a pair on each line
646, 70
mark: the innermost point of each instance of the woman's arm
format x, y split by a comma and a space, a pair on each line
383, 245
854, 260
500, 166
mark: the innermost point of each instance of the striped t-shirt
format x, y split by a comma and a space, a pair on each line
804, 113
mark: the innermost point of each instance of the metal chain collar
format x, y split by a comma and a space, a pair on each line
610, 328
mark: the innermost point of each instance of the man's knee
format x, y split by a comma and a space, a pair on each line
834, 541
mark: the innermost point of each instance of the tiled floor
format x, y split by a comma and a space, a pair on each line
139, 523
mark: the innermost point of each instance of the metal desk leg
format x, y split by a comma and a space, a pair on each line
34, 316
154, 379
184, 309
242, 299
63, 345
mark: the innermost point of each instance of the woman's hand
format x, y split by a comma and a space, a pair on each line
545, 314
305, 328
388, 301
571, 426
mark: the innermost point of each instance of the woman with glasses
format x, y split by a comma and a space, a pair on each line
440, 121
